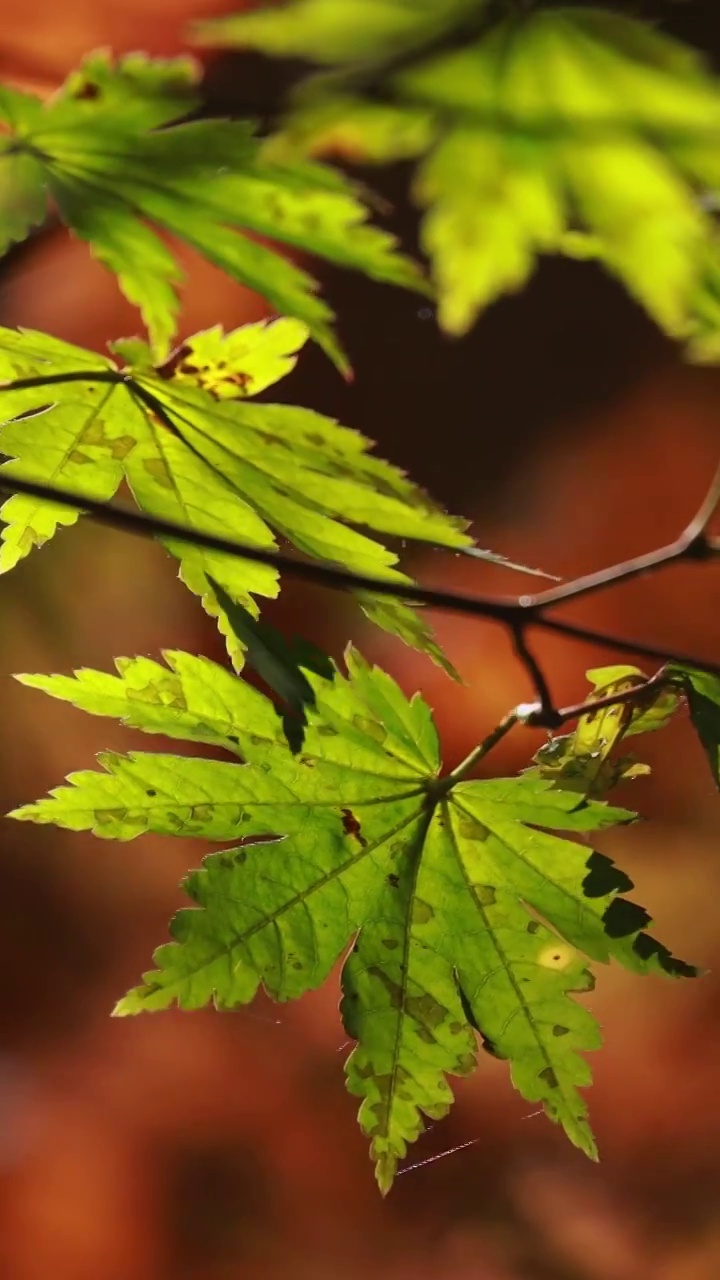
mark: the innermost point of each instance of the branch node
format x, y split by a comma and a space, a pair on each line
700, 548
546, 707
544, 718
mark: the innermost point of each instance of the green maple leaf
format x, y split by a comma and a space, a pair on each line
462, 908
105, 154
559, 130
223, 465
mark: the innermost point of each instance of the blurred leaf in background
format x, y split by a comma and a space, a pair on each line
105, 153
556, 130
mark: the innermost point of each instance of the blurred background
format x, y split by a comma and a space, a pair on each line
224, 1147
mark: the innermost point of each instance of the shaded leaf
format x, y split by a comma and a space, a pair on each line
703, 695
280, 663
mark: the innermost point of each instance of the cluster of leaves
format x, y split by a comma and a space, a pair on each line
561, 129
463, 910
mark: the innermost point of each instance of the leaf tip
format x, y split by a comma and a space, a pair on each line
385, 1170
23, 813
129, 1005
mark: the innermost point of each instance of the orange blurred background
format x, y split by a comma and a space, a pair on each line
223, 1147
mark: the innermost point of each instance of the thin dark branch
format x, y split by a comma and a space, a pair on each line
128, 520
518, 615
698, 526
75, 375
691, 544
534, 716
639, 693
638, 649
441, 786
535, 671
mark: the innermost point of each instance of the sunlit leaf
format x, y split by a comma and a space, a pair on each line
463, 909
193, 455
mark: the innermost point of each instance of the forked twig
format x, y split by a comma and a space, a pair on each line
518, 616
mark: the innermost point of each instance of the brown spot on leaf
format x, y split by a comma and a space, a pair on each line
393, 881
201, 812
424, 1009
485, 894
558, 955
464, 1065
391, 943
351, 826
560, 1031
426, 1035
471, 829
87, 92
157, 469
167, 369
548, 1075
121, 447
